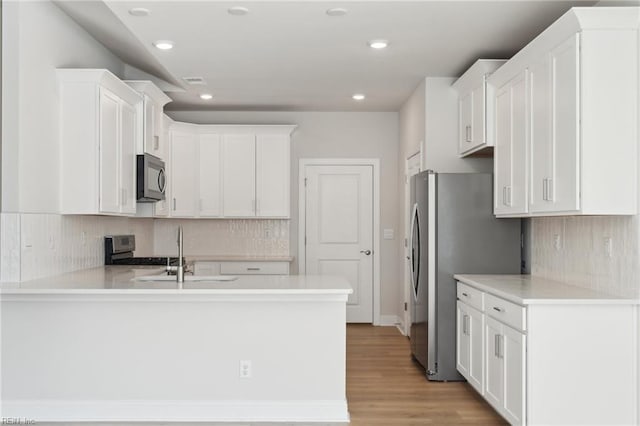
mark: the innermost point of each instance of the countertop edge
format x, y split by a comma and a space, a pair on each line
605, 300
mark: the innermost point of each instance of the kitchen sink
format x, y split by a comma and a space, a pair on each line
187, 278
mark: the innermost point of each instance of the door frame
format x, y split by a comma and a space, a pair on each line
302, 203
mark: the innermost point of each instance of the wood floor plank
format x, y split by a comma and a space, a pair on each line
385, 387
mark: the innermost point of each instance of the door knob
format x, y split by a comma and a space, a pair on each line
367, 252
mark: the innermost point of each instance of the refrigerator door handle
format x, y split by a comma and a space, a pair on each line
432, 363
414, 267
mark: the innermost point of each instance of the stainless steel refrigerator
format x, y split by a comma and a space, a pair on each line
453, 231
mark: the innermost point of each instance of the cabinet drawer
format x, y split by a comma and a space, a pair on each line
471, 296
206, 268
506, 312
255, 268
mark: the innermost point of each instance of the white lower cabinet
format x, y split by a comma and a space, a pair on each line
470, 345
549, 361
505, 368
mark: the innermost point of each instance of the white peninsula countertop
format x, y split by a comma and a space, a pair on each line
120, 281
531, 290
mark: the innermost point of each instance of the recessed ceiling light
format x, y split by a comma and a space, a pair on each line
378, 44
336, 11
358, 97
206, 96
139, 11
163, 44
237, 11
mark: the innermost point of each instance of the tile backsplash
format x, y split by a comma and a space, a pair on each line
41, 245
574, 250
248, 237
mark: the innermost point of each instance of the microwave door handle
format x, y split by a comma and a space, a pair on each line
162, 181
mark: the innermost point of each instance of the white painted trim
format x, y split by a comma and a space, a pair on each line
390, 320
177, 411
375, 164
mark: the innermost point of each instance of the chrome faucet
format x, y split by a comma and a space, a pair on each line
180, 268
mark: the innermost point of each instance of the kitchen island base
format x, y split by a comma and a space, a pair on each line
174, 356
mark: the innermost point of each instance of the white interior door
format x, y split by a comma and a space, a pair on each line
339, 230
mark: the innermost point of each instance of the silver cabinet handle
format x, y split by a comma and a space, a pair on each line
174, 203
508, 195
253, 269
544, 189
367, 252
465, 294
504, 195
468, 133
496, 345
495, 308
465, 331
549, 189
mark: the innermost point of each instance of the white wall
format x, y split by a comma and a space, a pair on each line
37, 38
429, 121
336, 135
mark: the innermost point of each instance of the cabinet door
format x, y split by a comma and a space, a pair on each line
128, 135
513, 350
463, 346
494, 365
478, 116
512, 140
239, 178
502, 153
183, 176
564, 184
272, 176
466, 113
541, 135
210, 176
475, 329
110, 191
162, 207
554, 130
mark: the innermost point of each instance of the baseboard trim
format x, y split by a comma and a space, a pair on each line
389, 320
176, 411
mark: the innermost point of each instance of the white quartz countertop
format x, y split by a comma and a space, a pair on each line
114, 280
530, 290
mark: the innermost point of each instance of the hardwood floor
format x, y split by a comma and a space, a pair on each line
385, 387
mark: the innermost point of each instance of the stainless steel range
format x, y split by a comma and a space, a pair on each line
118, 250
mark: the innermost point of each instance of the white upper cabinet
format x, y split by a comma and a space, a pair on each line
210, 178
511, 147
184, 173
582, 123
476, 107
235, 171
99, 133
273, 175
151, 138
239, 175
162, 208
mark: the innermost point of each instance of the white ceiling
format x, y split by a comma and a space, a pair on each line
289, 55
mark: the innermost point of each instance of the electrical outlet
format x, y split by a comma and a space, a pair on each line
556, 242
608, 247
245, 369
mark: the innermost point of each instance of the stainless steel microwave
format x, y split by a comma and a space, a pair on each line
151, 179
